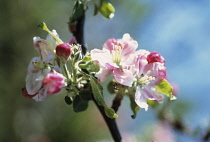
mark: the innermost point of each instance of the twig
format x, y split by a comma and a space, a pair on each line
77, 28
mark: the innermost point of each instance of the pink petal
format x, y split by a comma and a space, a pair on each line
151, 93
140, 99
158, 70
109, 44
44, 48
124, 77
104, 58
129, 45
42, 94
102, 74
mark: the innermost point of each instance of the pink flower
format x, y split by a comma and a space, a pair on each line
38, 69
40, 83
115, 55
150, 70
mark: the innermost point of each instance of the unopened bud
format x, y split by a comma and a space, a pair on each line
63, 50
53, 82
155, 57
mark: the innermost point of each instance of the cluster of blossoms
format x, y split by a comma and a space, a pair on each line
140, 69
44, 74
141, 73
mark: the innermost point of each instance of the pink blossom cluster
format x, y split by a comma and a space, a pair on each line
140, 69
44, 78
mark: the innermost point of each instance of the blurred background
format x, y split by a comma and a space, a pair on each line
179, 30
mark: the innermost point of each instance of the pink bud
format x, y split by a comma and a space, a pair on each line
63, 49
155, 57
72, 40
53, 82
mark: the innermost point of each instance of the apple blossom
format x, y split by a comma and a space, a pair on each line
116, 54
150, 71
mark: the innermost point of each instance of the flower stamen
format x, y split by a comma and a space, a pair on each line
116, 53
145, 79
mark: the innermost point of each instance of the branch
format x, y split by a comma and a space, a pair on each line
111, 123
77, 28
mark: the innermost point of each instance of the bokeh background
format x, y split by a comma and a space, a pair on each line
179, 30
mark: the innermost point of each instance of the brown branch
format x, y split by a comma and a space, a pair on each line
77, 28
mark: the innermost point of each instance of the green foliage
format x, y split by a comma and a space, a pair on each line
110, 112
106, 9
97, 91
165, 88
111, 87
68, 100
91, 66
80, 102
78, 11
134, 107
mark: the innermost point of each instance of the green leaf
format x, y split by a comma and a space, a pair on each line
95, 10
80, 102
78, 11
107, 9
87, 58
97, 91
165, 88
91, 66
110, 112
111, 87
134, 107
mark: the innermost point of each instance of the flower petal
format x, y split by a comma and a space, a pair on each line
104, 58
129, 45
41, 95
124, 77
102, 74
140, 99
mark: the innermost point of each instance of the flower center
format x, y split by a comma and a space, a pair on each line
145, 79
116, 53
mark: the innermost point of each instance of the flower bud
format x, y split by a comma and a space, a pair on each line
72, 40
155, 57
53, 83
63, 50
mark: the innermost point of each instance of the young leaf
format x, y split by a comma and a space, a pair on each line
110, 112
80, 102
68, 100
91, 66
165, 88
97, 91
107, 9
78, 11
134, 107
